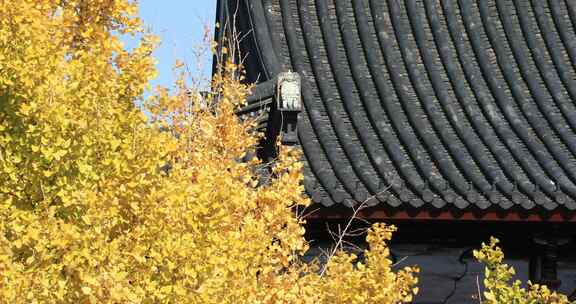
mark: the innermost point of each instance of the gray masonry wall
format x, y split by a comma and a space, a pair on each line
445, 277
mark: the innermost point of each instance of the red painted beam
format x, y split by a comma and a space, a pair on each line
380, 213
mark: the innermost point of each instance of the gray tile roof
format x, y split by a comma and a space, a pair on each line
439, 103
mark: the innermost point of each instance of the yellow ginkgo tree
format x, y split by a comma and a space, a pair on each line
500, 286
101, 203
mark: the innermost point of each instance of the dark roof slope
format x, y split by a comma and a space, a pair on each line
429, 102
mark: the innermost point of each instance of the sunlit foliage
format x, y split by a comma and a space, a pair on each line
499, 285
103, 201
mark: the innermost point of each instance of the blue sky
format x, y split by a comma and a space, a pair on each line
181, 25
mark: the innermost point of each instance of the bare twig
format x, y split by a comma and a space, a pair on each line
345, 232
400, 261
478, 286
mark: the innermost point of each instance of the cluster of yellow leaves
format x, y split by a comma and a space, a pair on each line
100, 203
499, 289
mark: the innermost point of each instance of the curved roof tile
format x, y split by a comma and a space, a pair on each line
429, 103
